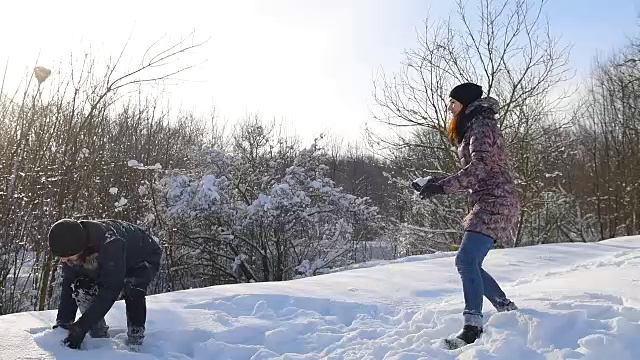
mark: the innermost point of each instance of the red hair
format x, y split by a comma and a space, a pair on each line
452, 130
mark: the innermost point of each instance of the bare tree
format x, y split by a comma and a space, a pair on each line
608, 119
70, 124
503, 45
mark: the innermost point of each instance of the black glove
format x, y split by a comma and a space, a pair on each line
430, 179
61, 325
430, 189
75, 337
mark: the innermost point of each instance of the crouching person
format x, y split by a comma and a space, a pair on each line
102, 261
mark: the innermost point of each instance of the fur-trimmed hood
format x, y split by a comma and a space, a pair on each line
485, 103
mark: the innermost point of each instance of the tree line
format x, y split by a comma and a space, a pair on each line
249, 203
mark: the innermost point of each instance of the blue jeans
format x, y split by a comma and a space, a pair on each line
475, 281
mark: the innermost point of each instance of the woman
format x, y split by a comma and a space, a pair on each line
496, 205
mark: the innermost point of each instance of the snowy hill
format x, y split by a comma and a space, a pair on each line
578, 301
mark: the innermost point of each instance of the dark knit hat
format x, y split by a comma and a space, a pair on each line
67, 238
466, 93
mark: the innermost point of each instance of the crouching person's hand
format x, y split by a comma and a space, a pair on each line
61, 325
75, 337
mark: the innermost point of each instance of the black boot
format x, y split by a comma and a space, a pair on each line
469, 334
506, 305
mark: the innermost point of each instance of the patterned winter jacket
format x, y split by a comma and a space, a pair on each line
485, 174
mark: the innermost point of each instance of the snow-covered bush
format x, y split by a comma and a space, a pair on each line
261, 225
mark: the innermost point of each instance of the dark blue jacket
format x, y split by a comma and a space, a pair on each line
117, 249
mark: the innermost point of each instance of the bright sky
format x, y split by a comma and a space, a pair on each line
309, 63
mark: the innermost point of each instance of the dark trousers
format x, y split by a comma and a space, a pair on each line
134, 292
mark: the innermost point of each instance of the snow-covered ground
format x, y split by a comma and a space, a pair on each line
578, 301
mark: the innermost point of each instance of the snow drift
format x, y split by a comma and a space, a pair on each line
578, 301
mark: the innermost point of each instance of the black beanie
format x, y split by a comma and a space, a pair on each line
67, 238
466, 93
